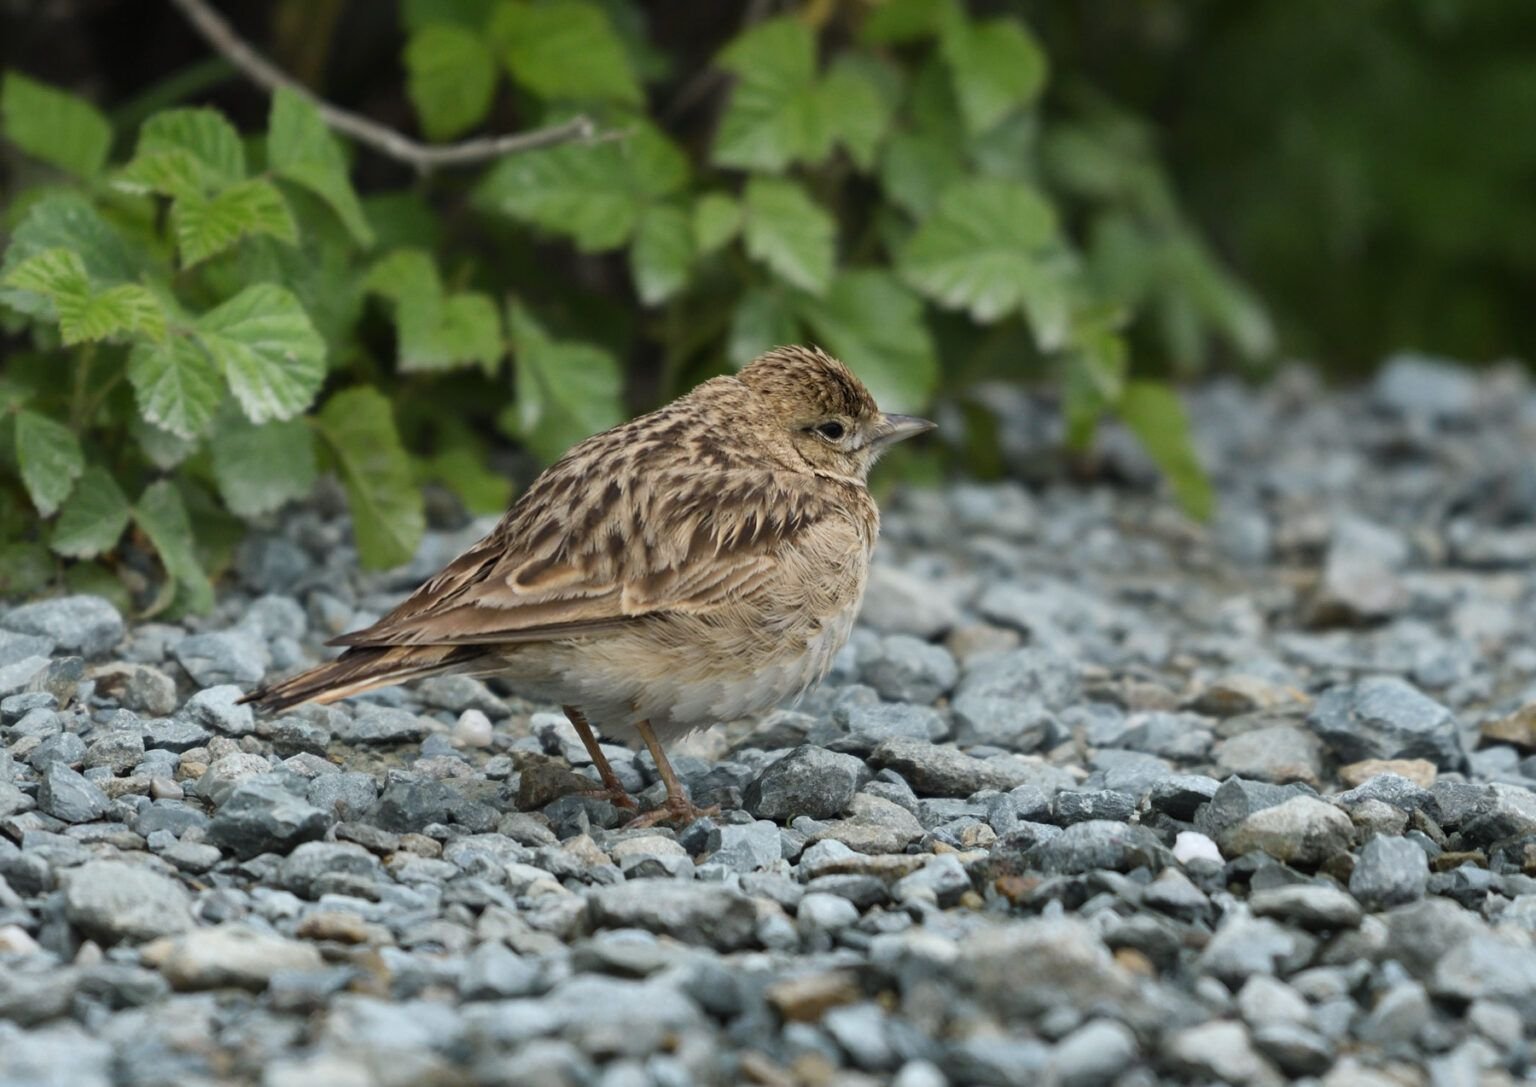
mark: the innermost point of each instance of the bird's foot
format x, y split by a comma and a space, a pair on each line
614, 794
675, 809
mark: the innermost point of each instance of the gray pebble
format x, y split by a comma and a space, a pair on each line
808, 781
88, 625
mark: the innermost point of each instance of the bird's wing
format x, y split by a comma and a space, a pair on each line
574, 560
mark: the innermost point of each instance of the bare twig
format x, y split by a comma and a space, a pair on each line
387, 141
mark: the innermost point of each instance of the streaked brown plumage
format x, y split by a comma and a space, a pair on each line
694, 565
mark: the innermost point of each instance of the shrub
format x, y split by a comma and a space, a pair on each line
202, 309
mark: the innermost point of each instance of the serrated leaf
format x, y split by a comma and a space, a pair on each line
126, 308
996, 65
594, 194
270, 354
566, 391
1153, 413
66, 221
565, 50
982, 249
571, 190
789, 232
716, 220
302, 150
59, 128
176, 385
763, 320
202, 133
207, 226
875, 325
436, 332
162, 517
163, 449
774, 116
85, 314
93, 518
662, 253
451, 76
49, 456
387, 515
857, 100
259, 469
171, 172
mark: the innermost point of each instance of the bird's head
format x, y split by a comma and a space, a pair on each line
826, 415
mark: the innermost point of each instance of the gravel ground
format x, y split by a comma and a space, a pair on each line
1095, 796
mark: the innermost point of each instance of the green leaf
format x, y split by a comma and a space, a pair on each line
997, 66
917, 168
66, 220
566, 391
162, 448
60, 129
94, 517
774, 116
857, 101
162, 516
203, 134
662, 253
85, 314
260, 468
176, 385
1094, 380
716, 220
594, 194
208, 226
896, 21
875, 324
49, 456
387, 516
982, 249
763, 320
462, 469
565, 50
302, 150
451, 77
790, 233
436, 332
271, 355
173, 172
1153, 413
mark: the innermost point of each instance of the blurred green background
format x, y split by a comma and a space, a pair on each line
209, 298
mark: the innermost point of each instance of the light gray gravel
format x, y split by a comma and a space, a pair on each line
1095, 797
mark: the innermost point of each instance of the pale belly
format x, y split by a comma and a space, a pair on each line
678, 688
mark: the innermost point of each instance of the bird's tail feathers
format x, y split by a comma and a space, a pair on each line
364, 668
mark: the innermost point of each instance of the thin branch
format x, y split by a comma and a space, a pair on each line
387, 141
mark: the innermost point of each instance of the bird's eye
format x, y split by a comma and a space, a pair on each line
831, 430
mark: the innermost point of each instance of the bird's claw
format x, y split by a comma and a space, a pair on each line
679, 810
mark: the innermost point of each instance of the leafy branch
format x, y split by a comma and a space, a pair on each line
424, 157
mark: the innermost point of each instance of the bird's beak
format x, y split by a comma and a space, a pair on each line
898, 428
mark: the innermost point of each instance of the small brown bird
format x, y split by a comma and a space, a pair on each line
692, 566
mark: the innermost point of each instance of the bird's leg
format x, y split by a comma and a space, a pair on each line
677, 807
613, 789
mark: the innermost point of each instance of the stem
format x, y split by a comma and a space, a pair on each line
219, 34
79, 409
